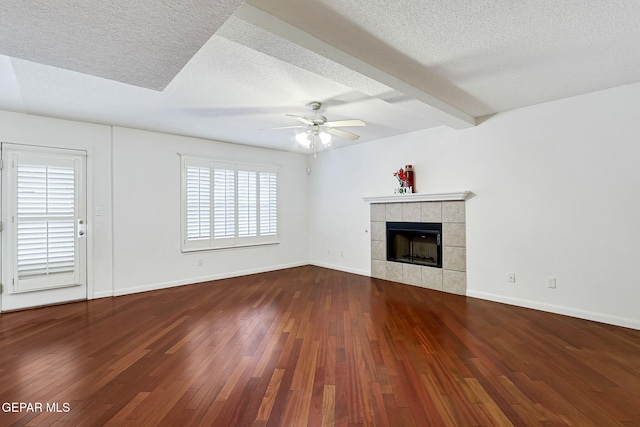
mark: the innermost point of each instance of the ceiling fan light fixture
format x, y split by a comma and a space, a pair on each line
325, 138
304, 139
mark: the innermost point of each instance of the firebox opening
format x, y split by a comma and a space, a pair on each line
415, 243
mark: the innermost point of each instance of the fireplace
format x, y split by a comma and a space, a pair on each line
448, 211
415, 243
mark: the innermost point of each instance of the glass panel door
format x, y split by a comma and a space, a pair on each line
44, 237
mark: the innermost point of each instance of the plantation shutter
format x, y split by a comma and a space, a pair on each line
198, 203
227, 204
45, 220
268, 203
224, 199
247, 204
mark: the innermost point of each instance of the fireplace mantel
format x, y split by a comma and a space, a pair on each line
419, 197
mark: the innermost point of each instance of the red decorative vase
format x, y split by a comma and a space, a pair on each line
410, 180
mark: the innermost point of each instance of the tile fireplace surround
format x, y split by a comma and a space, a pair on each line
445, 208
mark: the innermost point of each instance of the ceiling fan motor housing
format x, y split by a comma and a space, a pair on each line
315, 106
316, 118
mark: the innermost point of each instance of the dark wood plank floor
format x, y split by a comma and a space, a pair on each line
311, 346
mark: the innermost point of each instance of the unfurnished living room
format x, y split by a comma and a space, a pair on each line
319, 213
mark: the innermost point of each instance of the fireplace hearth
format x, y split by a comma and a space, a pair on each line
415, 243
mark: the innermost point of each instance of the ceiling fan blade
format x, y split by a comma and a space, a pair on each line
343, 123
287, 127
342, 134
301, 119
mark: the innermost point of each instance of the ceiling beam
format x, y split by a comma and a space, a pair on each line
427, 104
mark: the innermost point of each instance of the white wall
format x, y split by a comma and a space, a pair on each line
555, 195
96, 140
134, 178
146, 189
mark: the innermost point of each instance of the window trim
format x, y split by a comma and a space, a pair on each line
212, 243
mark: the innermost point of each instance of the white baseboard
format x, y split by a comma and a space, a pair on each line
102, 294
340, 268
192, 280
558, 309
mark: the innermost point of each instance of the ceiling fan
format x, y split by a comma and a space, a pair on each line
318, 128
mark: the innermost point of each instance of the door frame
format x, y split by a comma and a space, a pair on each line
88, 186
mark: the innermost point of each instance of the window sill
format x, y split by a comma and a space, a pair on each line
237, 246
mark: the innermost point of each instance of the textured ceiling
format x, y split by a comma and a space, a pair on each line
226, 70
143, 43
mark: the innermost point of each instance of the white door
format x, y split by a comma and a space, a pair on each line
43, 226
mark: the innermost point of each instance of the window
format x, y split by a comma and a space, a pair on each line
46, 220
228, 204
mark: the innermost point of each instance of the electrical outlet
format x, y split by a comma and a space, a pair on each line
511, 277
551, 282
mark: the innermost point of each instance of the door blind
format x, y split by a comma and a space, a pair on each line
46, 220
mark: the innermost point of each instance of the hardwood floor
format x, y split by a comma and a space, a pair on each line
311, 346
